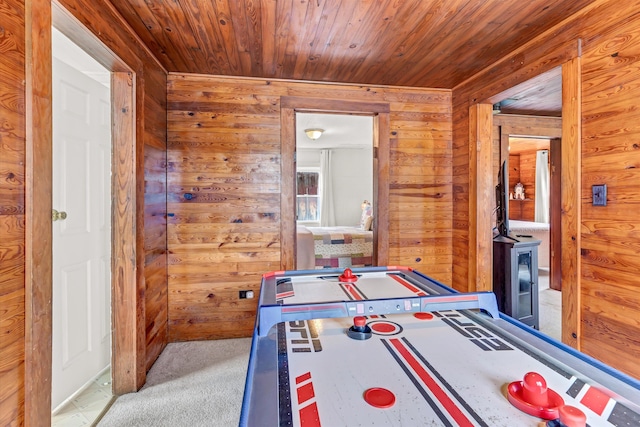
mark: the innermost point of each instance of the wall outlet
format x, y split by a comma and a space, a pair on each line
245, 294
599, 195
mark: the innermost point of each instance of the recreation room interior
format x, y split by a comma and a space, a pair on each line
204, 98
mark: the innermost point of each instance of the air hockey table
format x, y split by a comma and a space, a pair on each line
389, 346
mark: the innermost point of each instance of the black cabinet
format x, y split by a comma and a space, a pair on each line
515, 277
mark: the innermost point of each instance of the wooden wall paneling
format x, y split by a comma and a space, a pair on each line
12, 215
155, 309
480, 197
226, 146
608, 292
460, 179
515, 206
288, 248
528, 180
381, 165
571, 209
533, 126
224, 201
152, 193
420, 185
126, 308
555, 206
38, 291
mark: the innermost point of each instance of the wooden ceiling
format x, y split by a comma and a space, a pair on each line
421, 43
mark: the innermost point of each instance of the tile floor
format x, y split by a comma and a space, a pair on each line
88, 406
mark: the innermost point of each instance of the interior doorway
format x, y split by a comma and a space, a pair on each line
530, 192
334, 195
379, 112
38, 318
81, 232
559, 88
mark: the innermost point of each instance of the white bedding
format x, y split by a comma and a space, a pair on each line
540, 231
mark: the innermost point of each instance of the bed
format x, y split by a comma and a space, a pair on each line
333, 247
538, 230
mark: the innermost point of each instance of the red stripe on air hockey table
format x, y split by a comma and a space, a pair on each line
352, 290
285, 295
286, 309
408, 285
448, 404
309, 415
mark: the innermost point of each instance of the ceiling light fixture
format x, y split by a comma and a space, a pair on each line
313, 134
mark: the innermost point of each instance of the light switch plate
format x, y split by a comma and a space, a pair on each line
599, 194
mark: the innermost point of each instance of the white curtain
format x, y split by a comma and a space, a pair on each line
327, 212
542, 187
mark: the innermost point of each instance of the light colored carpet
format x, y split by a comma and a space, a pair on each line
549, 306
197, 383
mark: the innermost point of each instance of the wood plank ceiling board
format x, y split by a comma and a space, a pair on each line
420, 43
540, 96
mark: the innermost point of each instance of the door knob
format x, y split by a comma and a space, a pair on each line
58, 216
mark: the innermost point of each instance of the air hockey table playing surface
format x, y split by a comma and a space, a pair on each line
431, 360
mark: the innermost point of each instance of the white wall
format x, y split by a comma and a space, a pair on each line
308, 158
352, 180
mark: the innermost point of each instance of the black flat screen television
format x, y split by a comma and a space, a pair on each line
502, 202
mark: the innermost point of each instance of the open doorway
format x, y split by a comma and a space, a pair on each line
530, 190
379, 113
81, 234
531, 212
38, 319
334, 198
527, 135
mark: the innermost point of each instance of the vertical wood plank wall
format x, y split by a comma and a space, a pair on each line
12, 214
609, 285
150, 108
224, 184
522, 169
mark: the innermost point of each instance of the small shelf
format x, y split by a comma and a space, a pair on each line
520, 200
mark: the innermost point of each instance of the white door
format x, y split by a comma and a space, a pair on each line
82, 241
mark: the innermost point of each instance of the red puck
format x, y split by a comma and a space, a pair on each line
382, 327
379, 397
572, 416
423, 316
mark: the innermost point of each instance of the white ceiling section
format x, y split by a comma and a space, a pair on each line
340, 131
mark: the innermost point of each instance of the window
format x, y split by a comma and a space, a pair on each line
308, 195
